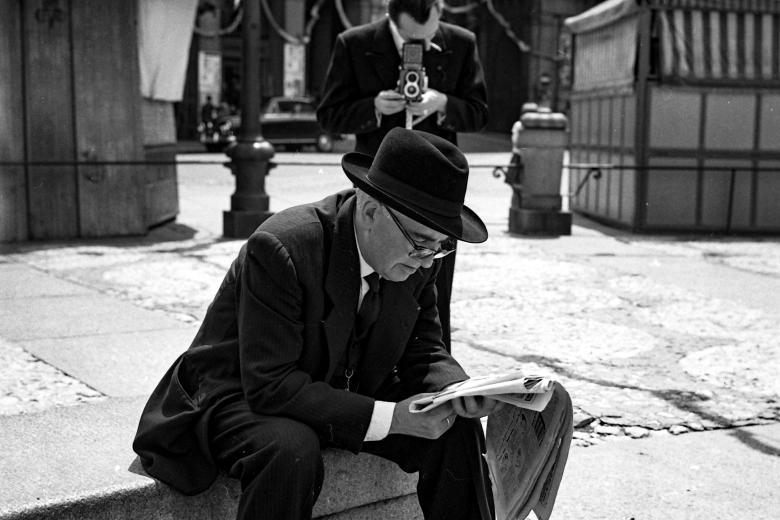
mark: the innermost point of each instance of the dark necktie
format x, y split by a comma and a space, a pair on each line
366, 316
369, 308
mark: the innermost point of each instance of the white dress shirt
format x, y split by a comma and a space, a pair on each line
382, 416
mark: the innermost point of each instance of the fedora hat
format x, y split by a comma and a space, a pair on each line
422, 176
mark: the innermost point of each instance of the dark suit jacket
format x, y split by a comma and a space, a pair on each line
275, 331
366, 61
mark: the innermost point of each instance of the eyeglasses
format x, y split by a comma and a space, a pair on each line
419, 252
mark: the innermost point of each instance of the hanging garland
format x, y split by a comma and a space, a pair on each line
508, 31
460, 9
524, 47
314, 16
222, 32
342, 15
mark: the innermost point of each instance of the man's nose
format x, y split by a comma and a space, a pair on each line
426, 262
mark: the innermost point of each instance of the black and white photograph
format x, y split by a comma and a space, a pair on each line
389, 259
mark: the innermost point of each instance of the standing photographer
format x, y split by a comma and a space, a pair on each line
363, 90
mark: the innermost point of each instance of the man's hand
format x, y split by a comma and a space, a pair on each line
428, 425
389, 102
432, 101
475, 406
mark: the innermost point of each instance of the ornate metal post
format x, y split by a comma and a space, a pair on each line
250, 154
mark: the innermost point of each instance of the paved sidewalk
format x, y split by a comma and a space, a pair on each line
668, 345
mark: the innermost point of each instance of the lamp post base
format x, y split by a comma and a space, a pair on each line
241, 224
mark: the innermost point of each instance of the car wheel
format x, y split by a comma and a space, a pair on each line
325, 143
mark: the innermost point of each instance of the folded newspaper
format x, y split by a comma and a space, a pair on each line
530, 392
527, 444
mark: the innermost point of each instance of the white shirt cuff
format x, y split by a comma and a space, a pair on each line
381, 419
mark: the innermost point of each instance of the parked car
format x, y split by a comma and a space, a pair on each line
286, 121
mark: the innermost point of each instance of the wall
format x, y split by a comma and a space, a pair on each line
13, 191
69, 92
712, 130
602, 132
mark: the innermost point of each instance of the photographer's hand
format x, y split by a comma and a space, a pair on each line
432, 101
389, 102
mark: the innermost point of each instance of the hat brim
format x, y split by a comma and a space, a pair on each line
466, 227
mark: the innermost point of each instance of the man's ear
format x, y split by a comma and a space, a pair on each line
372, 209
366, 211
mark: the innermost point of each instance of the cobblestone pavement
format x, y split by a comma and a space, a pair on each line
639, 357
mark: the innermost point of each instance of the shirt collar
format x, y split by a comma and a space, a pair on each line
399, 42
365, 269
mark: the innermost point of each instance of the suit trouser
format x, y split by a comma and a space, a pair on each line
444, 295
279, 463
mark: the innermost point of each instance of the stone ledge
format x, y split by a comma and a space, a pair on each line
74, 463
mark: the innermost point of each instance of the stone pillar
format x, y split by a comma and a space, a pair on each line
540, 140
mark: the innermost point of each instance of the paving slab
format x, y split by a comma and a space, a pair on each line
733, 473
23, 281
706, 278
36, 317
122, 364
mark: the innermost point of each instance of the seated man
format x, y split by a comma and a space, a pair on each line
322, 332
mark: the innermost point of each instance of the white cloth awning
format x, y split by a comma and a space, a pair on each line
600, 15
164, 37
720, 45
605, 57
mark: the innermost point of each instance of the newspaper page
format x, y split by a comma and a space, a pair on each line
526, 456
530, 392
527, 443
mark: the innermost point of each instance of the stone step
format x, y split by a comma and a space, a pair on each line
76, 463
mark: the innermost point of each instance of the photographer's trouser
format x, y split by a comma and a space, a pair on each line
279, 463
444, 293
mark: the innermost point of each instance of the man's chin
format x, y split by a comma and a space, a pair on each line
400, 273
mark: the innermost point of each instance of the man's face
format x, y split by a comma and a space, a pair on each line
388, 250
410, 30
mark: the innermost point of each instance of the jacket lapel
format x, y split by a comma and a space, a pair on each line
384, 56
342, 286
389, 335
437, 62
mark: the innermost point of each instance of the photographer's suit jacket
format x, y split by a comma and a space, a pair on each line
365, 61
275, 331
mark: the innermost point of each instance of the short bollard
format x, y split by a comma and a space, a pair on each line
250, 163
513, 175
540, 140
250, 156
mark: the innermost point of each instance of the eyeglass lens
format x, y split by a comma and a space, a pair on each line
420, 252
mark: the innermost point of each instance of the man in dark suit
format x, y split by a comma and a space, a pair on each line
290, 360
361, 97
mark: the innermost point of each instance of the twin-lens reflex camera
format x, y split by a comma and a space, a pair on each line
412, 81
